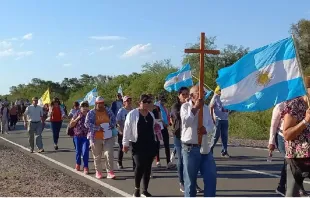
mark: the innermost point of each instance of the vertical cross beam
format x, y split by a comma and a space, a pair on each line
202, 51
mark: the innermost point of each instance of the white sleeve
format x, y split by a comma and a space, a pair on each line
209, 125
187, 117
127, 132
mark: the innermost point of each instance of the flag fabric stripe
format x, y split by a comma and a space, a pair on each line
279, 72
286, 90
257, 59
263, 78
91, 97
181, 78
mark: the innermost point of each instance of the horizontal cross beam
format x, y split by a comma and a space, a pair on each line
214, 52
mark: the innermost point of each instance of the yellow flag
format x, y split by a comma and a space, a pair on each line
45, 98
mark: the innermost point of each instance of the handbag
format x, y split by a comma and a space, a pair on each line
70, 131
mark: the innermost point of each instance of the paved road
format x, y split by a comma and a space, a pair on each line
247, 173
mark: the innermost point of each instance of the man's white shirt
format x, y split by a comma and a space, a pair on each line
189, 134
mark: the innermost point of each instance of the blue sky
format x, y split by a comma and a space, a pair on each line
56, 39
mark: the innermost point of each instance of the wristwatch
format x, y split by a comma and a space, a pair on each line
305, 123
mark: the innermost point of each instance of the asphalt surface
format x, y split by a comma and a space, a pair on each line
247, 173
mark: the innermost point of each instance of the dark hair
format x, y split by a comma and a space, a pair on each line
182, 89
144, 97
55, 100
76, 104
84, 104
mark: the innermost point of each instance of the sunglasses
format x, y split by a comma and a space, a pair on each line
147, 101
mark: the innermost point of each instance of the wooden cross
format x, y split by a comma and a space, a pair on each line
202, 51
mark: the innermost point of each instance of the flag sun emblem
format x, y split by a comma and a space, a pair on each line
263, 78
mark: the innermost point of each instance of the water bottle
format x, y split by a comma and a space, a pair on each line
269, 159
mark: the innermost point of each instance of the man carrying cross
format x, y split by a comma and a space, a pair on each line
195, 156
196, 123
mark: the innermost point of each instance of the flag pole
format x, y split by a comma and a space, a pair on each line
300, 68
203, 83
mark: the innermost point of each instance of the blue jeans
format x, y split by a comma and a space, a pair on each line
193, 161
81, 149
56, 126
178, 149
221, 130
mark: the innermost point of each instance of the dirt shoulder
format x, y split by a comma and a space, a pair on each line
22, 175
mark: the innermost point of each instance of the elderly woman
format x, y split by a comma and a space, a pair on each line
276, 140
296, 132
100, 122
56, 114
139, 132
80, 137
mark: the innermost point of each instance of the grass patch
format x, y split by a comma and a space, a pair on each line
253, 126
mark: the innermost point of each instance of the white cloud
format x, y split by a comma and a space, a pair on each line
106, 47
67, 64
27, 36
11, 52
91, 53
5, 45
13, 39
137, 50
110, 38
61, 54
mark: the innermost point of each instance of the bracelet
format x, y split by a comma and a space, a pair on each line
305, 123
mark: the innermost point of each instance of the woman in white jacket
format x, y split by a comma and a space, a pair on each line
139, 132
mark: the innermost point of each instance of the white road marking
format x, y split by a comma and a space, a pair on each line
268, 174
108, 186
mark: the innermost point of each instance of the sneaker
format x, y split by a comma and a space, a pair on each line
225, 155
303, 193
170, 165
120, 166
77, 167
158, 164
86, 171
198, 189
281, 191
182, 188
56, 147
172, 158
31, 150
40, 150
98, 175
111, 175
146, 194
136, 193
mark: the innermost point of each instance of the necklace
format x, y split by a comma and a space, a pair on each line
144, 116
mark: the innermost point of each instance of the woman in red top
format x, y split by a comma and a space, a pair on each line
56, 114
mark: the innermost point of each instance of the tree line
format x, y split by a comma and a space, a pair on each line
152, 77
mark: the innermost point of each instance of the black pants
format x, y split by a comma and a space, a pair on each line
120, 152
143, 166
13, 120
165, 134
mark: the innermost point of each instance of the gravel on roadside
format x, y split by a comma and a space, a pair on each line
24, 176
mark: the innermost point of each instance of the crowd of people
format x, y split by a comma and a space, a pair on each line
143, 129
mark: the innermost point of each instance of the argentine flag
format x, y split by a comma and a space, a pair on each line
181, 78
262, 78
91, 97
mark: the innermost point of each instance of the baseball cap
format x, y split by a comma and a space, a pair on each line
126, 98
99, 99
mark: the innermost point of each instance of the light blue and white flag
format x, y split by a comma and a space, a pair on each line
262, 78
181, 78
91, 97
120, 90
